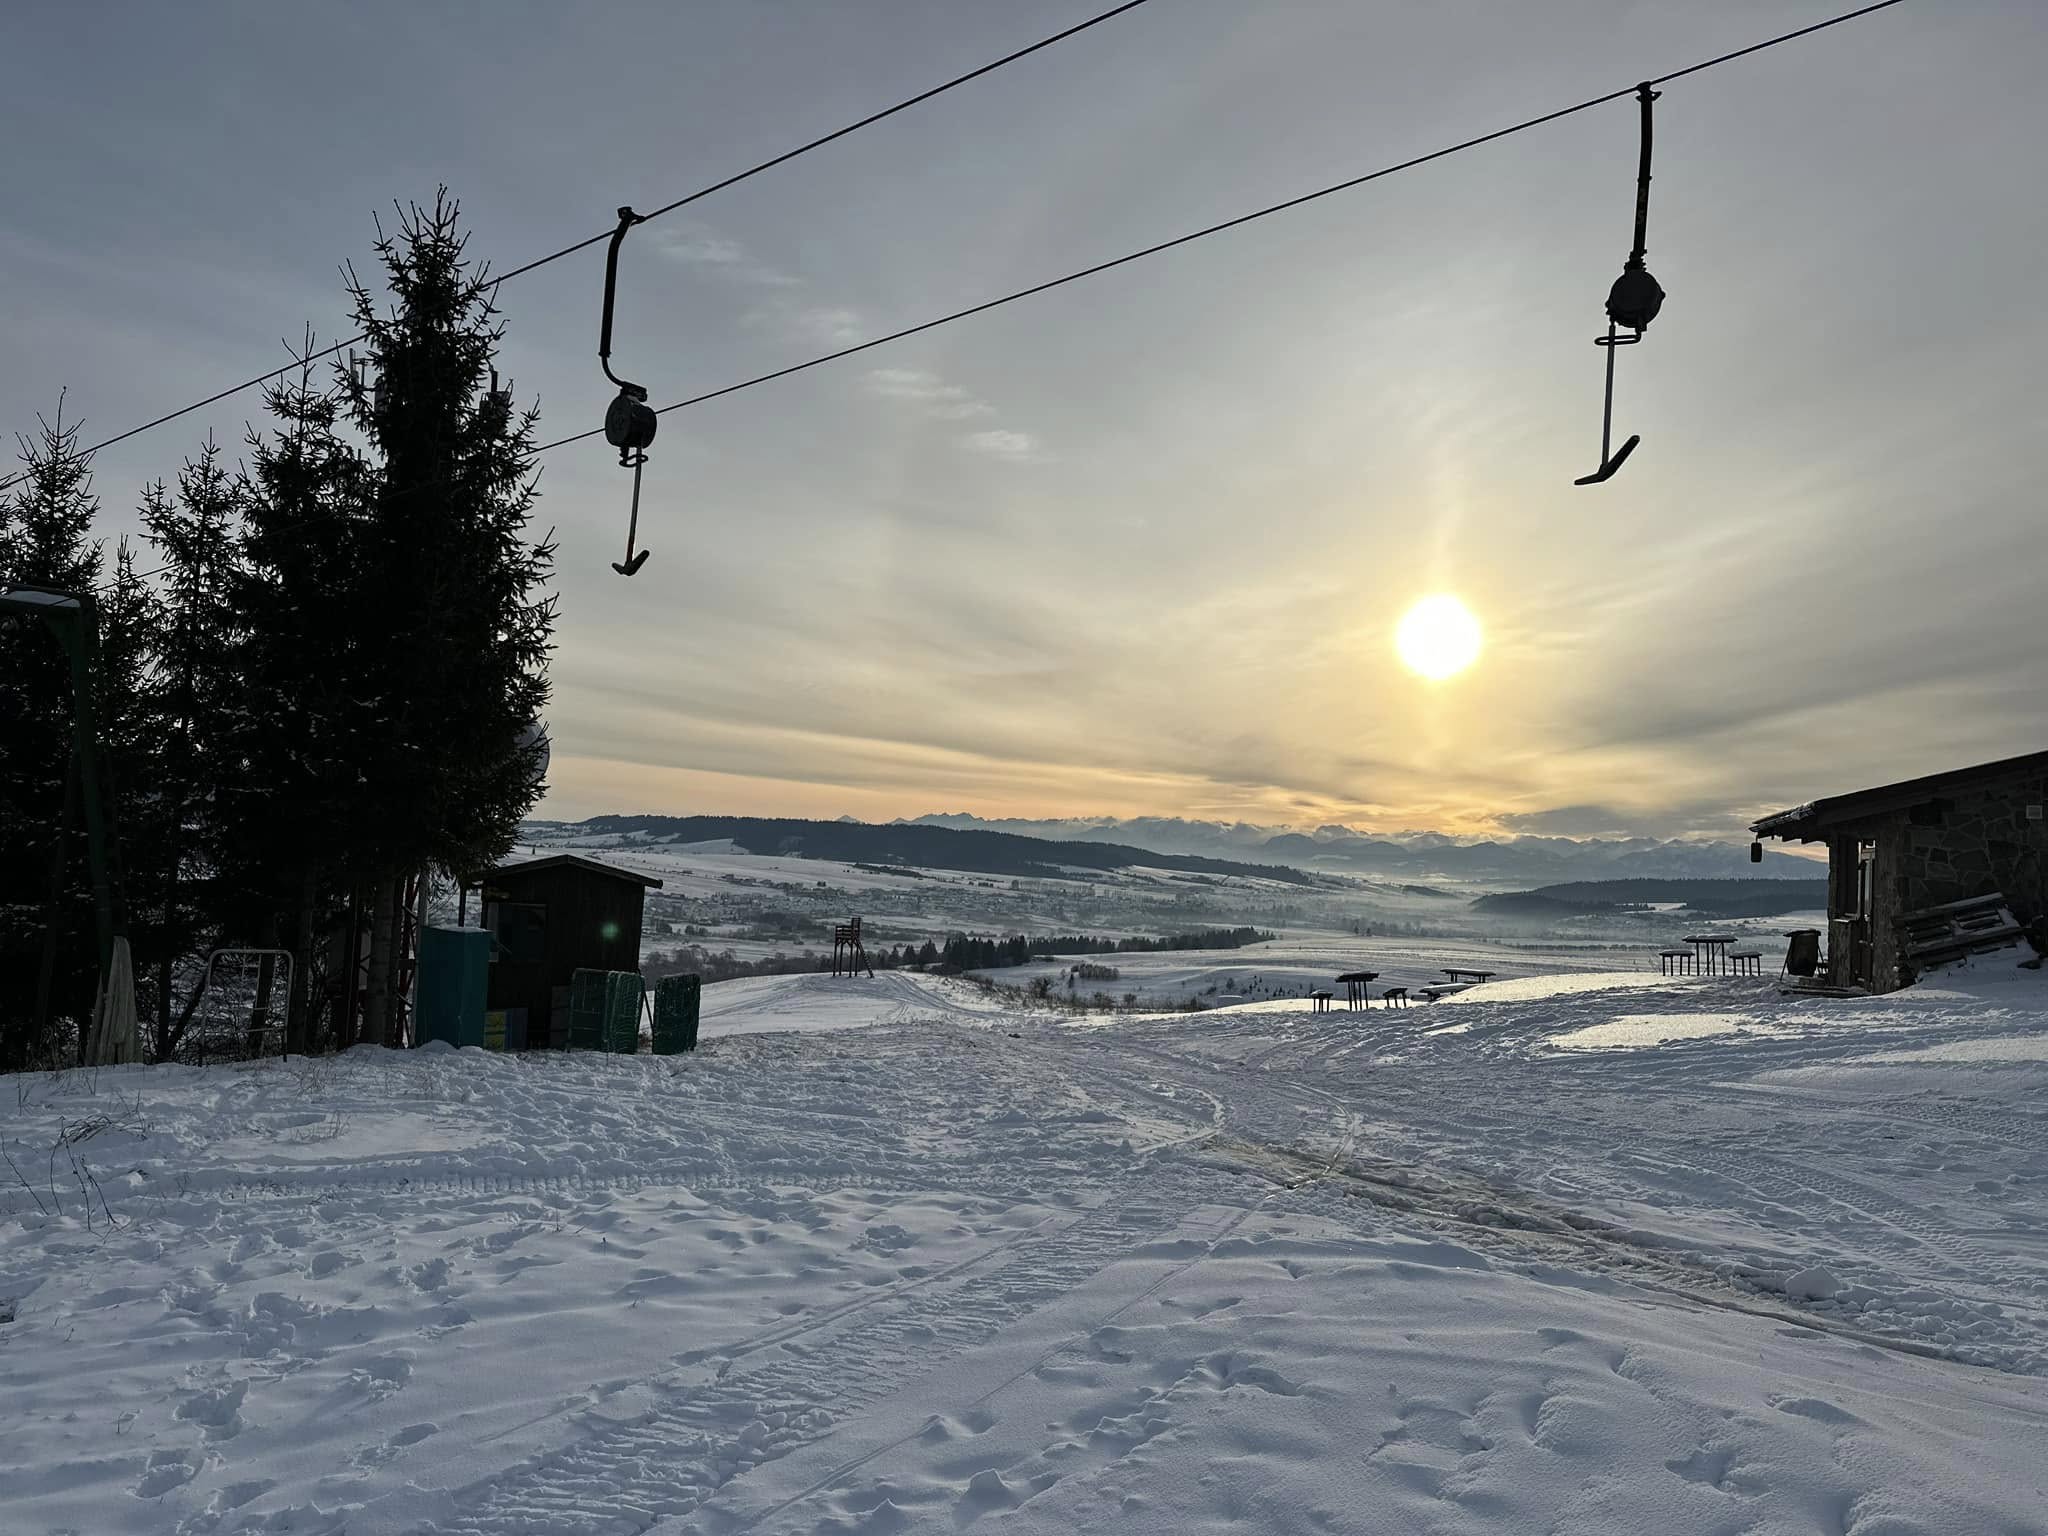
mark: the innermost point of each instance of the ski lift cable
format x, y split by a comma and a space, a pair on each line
682, 202
1246, 218
1165, 245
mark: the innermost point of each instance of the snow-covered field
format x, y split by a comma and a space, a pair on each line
758, 905
1597, 1253
1294, 964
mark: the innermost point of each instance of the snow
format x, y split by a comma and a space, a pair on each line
884, 1257
1633, 1030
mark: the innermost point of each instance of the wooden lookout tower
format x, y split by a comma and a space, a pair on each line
849, 955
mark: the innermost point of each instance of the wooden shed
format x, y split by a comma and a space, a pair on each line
1914, 867
551, 917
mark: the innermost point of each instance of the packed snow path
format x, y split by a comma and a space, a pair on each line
1508, 1264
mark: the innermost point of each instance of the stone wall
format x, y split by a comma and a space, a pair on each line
1980, 841
1966, 843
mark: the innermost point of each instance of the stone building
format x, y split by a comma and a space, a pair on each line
1913, 867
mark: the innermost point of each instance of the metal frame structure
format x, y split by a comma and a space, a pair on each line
282, 1029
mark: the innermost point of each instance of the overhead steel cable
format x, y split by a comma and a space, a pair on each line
1166, 245
1245, 218
682, 202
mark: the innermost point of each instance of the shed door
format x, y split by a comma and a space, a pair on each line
1862, 959
520, 928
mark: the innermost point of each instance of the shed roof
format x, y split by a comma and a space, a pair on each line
574, 861
1812, 820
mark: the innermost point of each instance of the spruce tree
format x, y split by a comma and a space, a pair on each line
458, 660
294, 827
173, 829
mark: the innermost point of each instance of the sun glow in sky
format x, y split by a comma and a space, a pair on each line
1438, 637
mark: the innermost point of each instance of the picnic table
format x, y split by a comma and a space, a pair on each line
1710, 950
1463, 972
1356, 985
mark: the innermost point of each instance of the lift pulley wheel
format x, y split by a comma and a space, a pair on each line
630, 422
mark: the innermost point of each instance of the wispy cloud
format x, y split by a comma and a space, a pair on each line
946, 402
829, 325
1001, 443
695, 246
934, 397
789, 308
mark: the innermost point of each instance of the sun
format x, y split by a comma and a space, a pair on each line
1438, 637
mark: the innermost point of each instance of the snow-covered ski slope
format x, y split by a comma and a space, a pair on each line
1602, 1254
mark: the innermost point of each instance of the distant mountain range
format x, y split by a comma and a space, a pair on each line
1708, 898
1017, 847
975, 850
1345, 850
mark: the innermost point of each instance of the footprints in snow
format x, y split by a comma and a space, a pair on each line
381, 1377
940, 1428
167, 1470
1817, 1409
216, 1410
1111, 1430
1705, 1465
885, 1238
377, 1455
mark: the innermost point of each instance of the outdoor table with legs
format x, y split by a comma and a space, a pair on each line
1356, 985
1710, 950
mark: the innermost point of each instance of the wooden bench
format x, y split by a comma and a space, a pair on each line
1433, 994
1395, 997
1937, 935
1320, 1002
1676, 962
1749, 963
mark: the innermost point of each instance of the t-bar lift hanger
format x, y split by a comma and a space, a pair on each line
1632, 302
630, 422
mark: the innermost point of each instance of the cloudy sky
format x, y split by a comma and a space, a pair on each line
1139, 546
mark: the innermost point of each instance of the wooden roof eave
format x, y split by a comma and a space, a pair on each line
1813, 821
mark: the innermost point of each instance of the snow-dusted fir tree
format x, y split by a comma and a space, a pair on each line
171, 824
129, 722
299, 714
45, 528
458, 661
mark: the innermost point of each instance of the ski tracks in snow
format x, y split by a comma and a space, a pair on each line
1916, 1218
760, 1398
797, 1247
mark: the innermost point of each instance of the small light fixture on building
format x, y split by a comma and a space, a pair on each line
1756, 850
